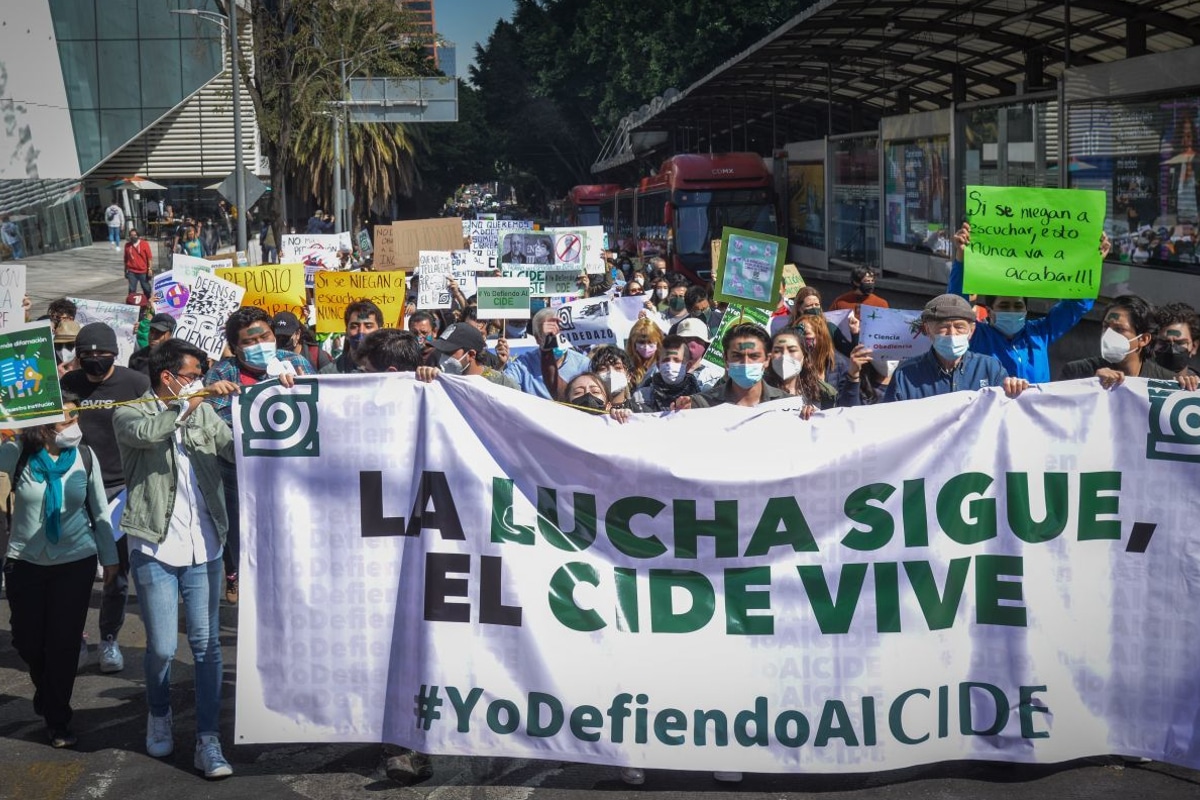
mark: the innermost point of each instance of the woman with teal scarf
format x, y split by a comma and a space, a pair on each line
60, 527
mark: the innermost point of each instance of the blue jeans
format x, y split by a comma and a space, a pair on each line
159, 588
114, 235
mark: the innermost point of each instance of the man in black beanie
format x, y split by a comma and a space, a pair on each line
100, 383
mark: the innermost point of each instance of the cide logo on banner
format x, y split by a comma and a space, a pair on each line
1174, 423
278, 422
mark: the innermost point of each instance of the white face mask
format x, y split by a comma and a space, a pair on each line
673, 372
614, 381
451, 365
190, 389
66, 354
69, 437
787, 367
660, 294
1114, 346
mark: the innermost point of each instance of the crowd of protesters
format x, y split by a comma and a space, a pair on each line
159, 433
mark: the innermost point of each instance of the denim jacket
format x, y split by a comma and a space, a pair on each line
146, 436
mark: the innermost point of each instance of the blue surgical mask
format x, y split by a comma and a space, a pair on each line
259, 355
745, 375
951, 347
1009, 323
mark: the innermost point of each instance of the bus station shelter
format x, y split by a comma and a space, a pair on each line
875, 114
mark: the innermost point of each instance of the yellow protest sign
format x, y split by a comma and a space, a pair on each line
791, 281
336, 290
271, 287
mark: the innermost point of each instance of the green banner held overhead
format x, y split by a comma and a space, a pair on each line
749, 269
1034, 242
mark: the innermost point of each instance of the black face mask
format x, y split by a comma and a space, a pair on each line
97, 365
1174, 357
867, 288
590, 401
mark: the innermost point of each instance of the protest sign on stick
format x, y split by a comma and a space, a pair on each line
1034, 242
750, 268
503, 298
414, 235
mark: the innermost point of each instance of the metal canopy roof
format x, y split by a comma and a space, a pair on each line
840, 65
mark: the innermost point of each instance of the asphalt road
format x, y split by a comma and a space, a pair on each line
110, 761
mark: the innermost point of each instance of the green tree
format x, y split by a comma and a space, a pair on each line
299, 48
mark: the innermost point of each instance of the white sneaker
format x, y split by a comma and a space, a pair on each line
209, 759
159, 741
111, 659
84, 656
728, 777
633, 776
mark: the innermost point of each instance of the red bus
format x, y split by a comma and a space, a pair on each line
678, 212
583, 203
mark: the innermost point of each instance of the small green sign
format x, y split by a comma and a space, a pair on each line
503, 298
1034, 242
29, 390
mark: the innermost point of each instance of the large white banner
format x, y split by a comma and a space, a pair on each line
463, 569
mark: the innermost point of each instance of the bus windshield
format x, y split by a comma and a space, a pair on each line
588, 215
702, 220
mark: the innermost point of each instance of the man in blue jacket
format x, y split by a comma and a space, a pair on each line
949, 366
1021, 346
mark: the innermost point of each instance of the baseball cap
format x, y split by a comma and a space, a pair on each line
96, 337
948, 306
692, 328
460, 336
285, 323
163, 323
66, 331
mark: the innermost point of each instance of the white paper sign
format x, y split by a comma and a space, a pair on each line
12, 295
209, 305
593, 246
892, 333
122, 318
316, 251
436, 267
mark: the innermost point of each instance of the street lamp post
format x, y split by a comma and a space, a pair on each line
229, 25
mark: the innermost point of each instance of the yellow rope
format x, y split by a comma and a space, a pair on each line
8, 415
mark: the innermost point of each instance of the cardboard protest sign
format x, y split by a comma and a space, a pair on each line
210, 303
414, 235
316, 251
734, 314
892, 333
792, 282
272, 287
385, 248
750, 268
1034, 242
29, 390
12, 295
121, 317
433, 289
336, 290
503, 298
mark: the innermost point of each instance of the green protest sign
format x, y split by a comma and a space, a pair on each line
749, 269
503, 298
29, 390
1034, 242
733, 315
